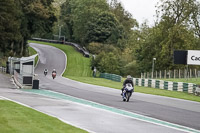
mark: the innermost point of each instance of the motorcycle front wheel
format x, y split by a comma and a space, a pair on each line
128, 95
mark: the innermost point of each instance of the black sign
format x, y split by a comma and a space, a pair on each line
180, 57
27, 80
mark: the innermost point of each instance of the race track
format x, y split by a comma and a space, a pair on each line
181, 112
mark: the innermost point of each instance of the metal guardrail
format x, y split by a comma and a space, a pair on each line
168, 85
3, 69
77, 46
109, 76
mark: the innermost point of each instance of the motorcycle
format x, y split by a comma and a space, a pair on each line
45, 73
128, 90
54, 75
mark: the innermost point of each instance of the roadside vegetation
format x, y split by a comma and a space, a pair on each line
33, 52
84, 74
15, 118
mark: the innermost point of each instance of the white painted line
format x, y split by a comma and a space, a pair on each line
1, 98
143, 117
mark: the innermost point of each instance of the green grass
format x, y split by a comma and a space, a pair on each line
77, 65
78, 68
15, 118
146, 90
33, 52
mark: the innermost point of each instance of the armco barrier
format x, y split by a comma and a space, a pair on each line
175, 86
157, 84
142, 84
167, 85
109, 76
185, 87
149, 82
137, 82
170, 86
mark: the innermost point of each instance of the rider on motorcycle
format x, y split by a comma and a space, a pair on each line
128, 80
45, 71
54, 71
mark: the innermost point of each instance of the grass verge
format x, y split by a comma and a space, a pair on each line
26, 120
77, 65
78, 68
33, 52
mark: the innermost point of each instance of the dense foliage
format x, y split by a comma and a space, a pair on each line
103, 28
19, 20
106, 29
176, 29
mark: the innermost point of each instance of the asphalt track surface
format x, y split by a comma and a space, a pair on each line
181, 112
172, 110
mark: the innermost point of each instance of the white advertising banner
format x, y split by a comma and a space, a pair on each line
193, 57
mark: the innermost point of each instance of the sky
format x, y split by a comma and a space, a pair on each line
141, 9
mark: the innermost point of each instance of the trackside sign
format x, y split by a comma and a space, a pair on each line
193, 57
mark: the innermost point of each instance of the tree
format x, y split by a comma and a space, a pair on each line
172, 32
20, 19
9, 26
104, 29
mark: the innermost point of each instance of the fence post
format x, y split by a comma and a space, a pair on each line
160, 75
195, 73
185, 73
156, 74
174, 73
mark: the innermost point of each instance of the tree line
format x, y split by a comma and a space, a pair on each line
22, 19
120, 45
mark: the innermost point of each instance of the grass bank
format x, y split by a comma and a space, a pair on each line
26, 120
78, 68
33, 52
77, 65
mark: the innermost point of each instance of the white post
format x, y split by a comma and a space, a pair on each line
160, 74
195, 73
156, 74
154, 59
174, 73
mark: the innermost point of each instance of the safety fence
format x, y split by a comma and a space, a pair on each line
3, 69
109, 76
176, 73
166, 85
81, 49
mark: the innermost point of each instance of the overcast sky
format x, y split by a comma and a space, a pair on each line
141, 9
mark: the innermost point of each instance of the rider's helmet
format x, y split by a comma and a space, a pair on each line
129, 77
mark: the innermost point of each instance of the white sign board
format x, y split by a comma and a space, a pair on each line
193, 57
